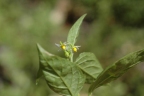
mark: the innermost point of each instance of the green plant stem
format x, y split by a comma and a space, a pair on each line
71, 57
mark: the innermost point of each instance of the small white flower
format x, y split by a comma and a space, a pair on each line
63, 46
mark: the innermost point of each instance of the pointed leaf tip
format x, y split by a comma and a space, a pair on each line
43, 54
37, 81
38, 45
43, 51
73, 33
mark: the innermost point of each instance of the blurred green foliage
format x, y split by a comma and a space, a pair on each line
111, 30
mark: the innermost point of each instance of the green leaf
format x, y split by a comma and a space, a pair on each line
117, 69
42, 62
61, 75
73, 33
89, 64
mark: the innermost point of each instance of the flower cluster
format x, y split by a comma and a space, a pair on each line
67, 48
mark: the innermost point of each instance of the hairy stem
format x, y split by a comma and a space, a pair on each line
71, 56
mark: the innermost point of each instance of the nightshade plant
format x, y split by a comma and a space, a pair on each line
67, 77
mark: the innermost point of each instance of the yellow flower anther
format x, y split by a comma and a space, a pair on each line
74, 49
63, 47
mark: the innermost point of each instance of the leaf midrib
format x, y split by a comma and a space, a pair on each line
59, 76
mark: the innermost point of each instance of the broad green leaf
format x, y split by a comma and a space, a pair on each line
42, 62
90, 66
61, 75
117, 69
73, 33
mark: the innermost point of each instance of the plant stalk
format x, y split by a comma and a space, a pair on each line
71, 57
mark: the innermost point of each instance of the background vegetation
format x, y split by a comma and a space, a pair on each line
111, 30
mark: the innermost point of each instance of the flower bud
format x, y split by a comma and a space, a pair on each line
67, 54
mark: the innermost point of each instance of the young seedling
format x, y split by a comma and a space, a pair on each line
67, 77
